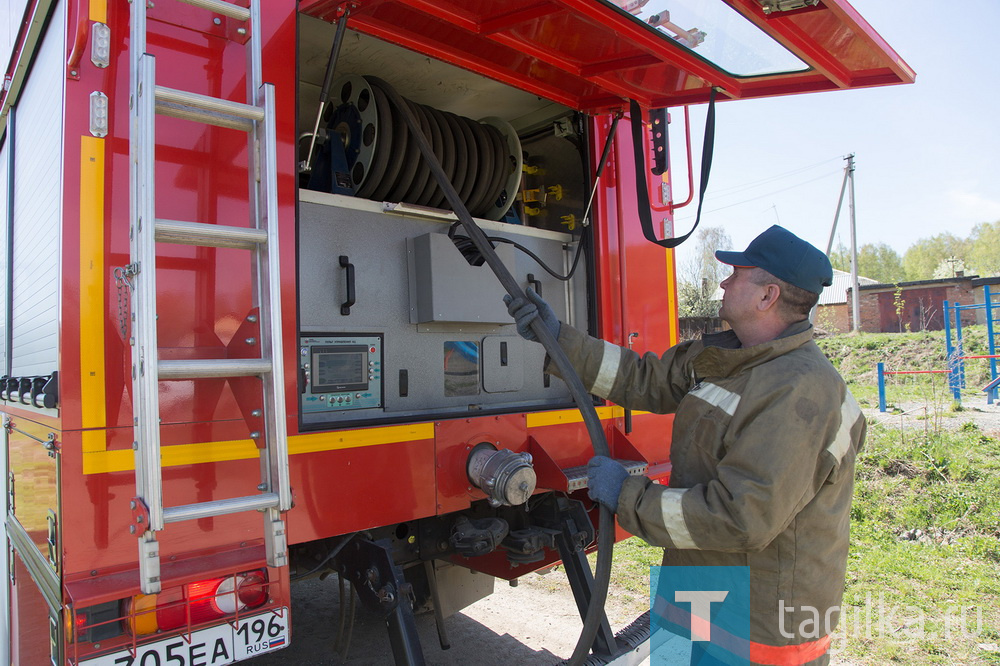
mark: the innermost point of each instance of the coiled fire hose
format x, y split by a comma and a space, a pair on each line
606, 526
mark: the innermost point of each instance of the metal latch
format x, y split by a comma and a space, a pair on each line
53, 540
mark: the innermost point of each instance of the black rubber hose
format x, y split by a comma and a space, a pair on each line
606, 525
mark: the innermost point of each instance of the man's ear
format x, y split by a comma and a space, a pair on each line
769, 299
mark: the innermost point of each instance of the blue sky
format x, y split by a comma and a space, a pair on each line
926, 154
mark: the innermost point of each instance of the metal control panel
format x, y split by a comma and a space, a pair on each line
339, 372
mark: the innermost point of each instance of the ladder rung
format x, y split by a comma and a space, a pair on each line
576, 477
210, 110
209, 235
176, 514
213, 367
221, 7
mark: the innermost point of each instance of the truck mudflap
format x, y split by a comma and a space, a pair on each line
225, 643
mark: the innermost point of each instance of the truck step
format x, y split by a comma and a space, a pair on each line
209, 235
206, 109
221, 7
176, 514
576, 477
213, 368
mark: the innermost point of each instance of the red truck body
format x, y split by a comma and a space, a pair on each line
390, 473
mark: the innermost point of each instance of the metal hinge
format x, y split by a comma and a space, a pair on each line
771, 6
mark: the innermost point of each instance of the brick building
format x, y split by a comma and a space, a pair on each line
914, 306
833, 312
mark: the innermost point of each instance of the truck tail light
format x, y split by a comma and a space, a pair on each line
94, 623
196, 603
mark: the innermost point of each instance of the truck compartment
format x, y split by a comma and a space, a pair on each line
399, 318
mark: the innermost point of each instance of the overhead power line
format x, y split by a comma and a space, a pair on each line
762, 196
727, 191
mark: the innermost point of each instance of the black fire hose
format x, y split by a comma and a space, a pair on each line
606, 529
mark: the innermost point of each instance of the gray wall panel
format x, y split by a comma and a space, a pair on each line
388, 282
38, 209
4, 172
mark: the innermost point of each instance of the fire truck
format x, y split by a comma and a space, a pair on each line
252, 321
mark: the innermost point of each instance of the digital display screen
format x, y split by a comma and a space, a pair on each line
339, 369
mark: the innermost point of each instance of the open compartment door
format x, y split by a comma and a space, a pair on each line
592, 54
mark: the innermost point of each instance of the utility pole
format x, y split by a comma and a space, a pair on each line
855, 286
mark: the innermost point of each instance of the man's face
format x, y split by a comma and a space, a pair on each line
740, 297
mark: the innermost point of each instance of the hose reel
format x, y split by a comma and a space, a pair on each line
482, 159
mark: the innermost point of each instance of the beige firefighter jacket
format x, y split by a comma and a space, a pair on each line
763, 450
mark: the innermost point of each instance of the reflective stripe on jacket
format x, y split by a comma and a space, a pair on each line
763, 450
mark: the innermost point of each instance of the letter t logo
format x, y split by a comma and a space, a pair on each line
701, 605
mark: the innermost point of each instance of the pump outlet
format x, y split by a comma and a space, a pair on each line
506, 477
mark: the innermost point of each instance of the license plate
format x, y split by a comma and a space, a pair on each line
214, 646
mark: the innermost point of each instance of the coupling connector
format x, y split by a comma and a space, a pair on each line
506, 477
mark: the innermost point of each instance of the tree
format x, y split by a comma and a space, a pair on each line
701, 273
949, 268
880, 262
840, 258
877, 261
924, 256
984, 251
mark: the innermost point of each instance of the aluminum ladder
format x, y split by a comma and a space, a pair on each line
259, 238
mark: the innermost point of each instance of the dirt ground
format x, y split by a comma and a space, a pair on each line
927, 416
533, 623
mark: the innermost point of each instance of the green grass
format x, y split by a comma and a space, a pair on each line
947, 486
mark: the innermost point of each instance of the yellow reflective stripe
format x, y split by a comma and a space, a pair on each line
674, 331
539, 419
92, 278
673, 517
171, 456
99, 461
351, 439
94, 441
99, 11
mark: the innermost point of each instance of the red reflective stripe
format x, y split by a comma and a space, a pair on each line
787, 655
758, 653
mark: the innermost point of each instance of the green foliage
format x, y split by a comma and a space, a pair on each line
857, 355
924, 256
877, 261
701, 274
936, 257
695, 301
949, 268
984, 255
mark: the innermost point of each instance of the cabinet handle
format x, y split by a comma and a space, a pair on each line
345, 307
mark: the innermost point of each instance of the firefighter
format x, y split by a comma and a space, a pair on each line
764, 444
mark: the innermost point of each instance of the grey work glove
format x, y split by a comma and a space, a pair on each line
524, 312
605, 478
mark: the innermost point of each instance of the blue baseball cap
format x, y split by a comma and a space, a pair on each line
784, 255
